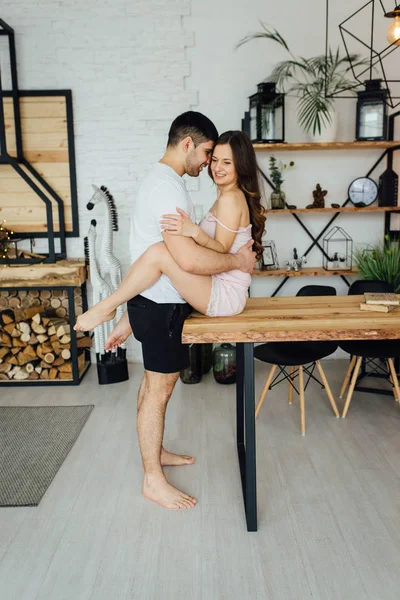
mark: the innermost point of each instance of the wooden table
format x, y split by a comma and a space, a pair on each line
281, 319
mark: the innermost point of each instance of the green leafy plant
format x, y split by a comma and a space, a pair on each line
313, 80
380, 262
276, 169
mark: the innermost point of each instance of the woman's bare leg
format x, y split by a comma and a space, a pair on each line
195, 289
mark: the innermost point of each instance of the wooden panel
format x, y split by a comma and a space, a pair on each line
23, 207
63, 273
37, 107
327, 146
295, 319
45, 143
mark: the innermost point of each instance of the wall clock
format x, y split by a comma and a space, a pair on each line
363, 191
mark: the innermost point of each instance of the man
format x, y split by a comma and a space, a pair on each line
156, 317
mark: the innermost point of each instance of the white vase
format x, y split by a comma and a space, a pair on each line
328, 130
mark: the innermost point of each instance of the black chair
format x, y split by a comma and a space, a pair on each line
371, 351
297, 355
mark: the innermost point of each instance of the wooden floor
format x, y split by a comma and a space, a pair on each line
329, 502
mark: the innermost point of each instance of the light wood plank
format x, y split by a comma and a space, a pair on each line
67, 273
305, 272
329, 209
317, 146
295, 319
45, 142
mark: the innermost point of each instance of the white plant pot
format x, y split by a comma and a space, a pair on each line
328, 131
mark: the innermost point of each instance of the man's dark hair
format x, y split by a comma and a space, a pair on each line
193, 124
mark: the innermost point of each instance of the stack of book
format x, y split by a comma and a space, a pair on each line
380, 302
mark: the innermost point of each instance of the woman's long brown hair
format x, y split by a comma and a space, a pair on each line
245, 162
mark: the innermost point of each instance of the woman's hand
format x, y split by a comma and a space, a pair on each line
179, 224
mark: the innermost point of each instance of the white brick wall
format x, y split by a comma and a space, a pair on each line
126, 64
133, 65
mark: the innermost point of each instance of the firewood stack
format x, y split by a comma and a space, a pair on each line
34, 345
55, 301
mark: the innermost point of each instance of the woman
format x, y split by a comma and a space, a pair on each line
235, 218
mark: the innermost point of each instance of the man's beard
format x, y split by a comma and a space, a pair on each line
192, 168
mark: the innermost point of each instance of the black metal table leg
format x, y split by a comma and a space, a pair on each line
246, 431
240, 414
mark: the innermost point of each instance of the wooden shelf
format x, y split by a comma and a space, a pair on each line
306, 272
68, 273
327, 146
329, 209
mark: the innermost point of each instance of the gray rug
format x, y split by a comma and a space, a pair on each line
34, 442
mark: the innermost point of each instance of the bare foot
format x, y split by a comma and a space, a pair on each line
119, 334
157, 488
169, 459
93, 317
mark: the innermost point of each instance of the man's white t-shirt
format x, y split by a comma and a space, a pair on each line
161, 191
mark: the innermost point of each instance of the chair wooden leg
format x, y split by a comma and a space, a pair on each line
302, 407
391, 380
352, 386
265, 389
327, 388
395, 380
291, 372
348, 375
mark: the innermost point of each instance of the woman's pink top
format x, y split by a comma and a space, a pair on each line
243, 235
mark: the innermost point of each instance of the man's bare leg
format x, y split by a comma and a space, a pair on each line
168, 459
154, 396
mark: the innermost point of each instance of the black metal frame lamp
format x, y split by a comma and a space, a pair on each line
265, 122
393, 32
362, 74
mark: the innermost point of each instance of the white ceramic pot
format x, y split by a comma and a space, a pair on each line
328, 131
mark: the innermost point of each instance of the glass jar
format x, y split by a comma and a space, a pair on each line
193, 373
224, 364
277, 199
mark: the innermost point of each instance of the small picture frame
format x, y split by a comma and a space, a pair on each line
269, 258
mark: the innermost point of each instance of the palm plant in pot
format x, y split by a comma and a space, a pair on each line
380, 262
313, 80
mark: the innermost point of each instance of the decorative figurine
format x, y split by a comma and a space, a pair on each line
297, 263
110, 267
112, 367
101, 289
319, 198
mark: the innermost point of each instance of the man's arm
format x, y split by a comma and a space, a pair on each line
202, 261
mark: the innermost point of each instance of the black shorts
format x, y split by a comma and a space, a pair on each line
158, 327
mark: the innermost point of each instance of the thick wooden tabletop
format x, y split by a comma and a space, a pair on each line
298, 318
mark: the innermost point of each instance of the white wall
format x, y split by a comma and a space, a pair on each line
134, 65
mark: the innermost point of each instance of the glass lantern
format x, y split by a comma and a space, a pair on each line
224, 364
338, 250
372, 121
267, 115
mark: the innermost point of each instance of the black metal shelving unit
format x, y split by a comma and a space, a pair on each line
76, 377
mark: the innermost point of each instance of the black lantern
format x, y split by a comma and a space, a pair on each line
267, 115
372, 118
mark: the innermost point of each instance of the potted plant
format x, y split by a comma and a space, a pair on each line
276, 169
380, 262
313, 80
